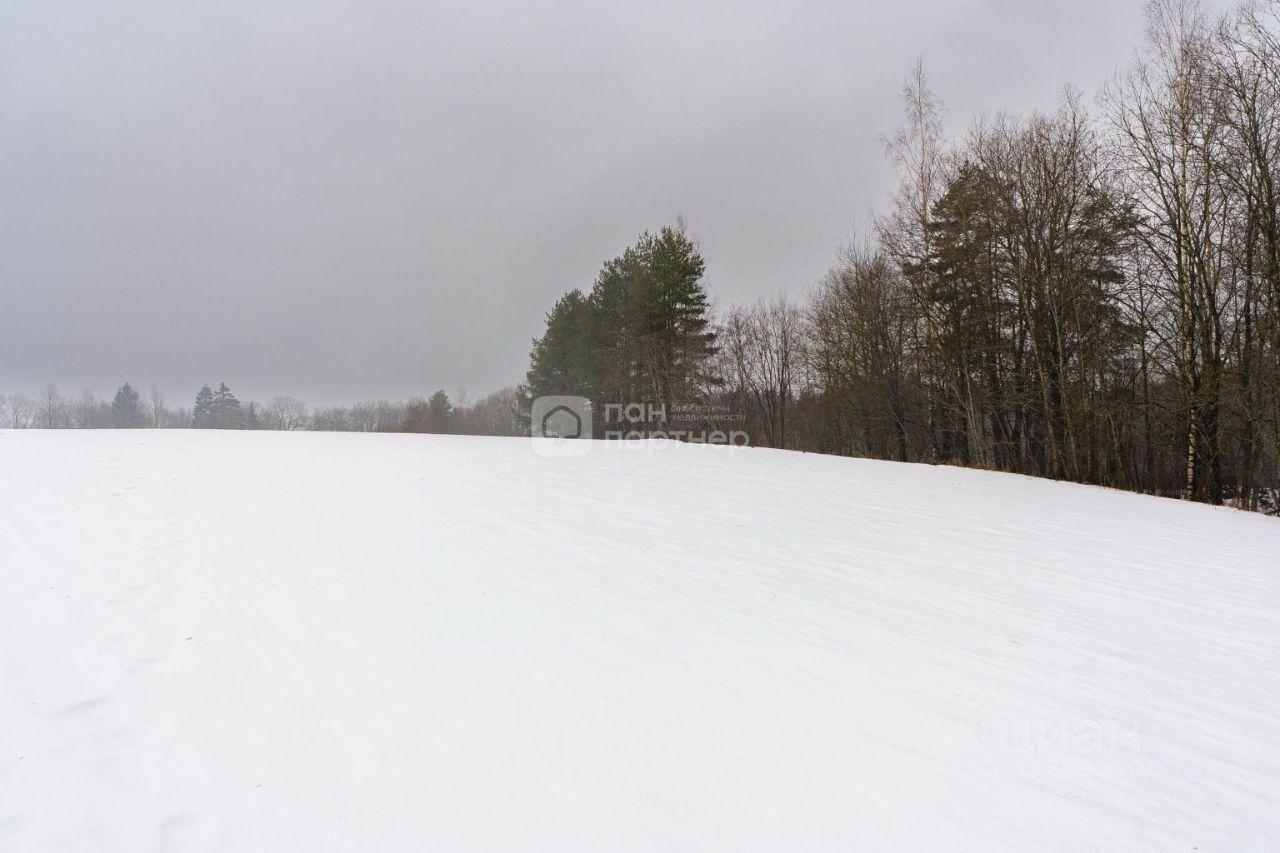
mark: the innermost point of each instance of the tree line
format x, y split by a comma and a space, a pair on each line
1079, 296
219, 408
1089, 295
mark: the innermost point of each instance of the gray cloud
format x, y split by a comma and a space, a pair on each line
350, 199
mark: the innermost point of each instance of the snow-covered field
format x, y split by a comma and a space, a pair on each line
315, 642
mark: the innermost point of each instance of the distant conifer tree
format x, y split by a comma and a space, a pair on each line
126, 408
439, 413
203, 415
227, 412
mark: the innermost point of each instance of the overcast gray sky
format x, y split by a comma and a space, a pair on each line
345, 199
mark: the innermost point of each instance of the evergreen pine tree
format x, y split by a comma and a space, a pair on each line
203, 415
126, 408
643, 334
678, 339
439, 413
562, 360
227, 413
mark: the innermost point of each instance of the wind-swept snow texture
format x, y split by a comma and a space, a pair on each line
323, 642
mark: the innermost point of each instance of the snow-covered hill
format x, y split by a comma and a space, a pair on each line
258, 641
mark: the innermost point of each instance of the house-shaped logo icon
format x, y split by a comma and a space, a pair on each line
562, 422
562, 417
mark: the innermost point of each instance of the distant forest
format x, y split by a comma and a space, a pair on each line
1086, 294
219, 408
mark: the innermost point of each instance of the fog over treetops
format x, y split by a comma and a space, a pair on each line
345, 201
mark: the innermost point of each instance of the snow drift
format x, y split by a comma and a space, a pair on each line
256, 641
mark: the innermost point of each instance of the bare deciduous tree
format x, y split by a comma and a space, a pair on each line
285, 413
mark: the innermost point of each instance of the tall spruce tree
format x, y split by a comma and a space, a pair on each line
678, 339
126, 408
203, 415
227, 413
439, 413
563, 359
